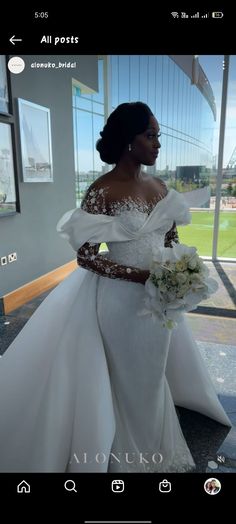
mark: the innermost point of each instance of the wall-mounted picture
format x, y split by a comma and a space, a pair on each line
8, 197
4, 100
35, 135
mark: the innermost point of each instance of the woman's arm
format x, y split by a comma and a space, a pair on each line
88, 258
88, 255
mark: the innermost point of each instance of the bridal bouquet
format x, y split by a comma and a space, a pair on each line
178, 281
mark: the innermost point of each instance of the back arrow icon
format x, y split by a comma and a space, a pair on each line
13, 40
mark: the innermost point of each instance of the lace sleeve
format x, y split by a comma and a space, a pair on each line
88, 255
171, 236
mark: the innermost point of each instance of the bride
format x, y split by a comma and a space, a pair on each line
88, 385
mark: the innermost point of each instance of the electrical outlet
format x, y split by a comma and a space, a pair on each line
12, 257
3, 261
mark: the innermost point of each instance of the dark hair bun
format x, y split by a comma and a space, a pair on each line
127, 121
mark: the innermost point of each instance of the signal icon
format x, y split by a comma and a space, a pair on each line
175, 15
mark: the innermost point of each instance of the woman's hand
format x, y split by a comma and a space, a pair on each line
144, 275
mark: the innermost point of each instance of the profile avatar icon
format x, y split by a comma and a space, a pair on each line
212, 486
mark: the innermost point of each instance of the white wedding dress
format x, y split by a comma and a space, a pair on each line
88, 385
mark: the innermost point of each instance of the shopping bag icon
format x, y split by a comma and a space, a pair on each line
164, 486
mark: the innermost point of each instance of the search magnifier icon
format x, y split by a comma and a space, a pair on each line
70, 485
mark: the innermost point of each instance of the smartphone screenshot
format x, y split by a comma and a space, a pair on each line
117, 261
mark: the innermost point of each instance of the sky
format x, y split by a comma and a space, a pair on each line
213, 67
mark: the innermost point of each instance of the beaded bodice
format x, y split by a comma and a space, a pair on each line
130, 227
137, 252
132, 214
124, 259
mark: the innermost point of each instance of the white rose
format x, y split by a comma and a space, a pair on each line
195, 277
184, 289
162, 287
193, 262
181, 278
180, 265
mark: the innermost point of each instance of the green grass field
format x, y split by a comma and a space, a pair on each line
200, 233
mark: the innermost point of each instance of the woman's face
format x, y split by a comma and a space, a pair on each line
145, 147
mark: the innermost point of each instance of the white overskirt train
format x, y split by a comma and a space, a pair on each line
89, 386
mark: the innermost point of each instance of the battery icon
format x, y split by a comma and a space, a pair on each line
217, 14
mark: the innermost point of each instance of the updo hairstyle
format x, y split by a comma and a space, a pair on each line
123, 124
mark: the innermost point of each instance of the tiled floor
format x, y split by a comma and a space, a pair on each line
214, 328
225, 296
215, 440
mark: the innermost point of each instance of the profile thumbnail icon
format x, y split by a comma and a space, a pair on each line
212, 486
16, 65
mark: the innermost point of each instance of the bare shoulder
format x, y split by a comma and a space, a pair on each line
158, 185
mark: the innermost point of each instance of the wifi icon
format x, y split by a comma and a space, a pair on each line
175, 15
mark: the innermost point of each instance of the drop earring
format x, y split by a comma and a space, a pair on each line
130, 148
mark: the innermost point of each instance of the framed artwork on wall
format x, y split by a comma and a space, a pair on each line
4, 99
35, 137
9, 202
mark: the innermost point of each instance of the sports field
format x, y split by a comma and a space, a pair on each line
200, 233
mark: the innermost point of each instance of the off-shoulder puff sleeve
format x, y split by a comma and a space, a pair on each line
77, 227
85, 231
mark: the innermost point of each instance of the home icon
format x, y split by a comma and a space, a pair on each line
23, 487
